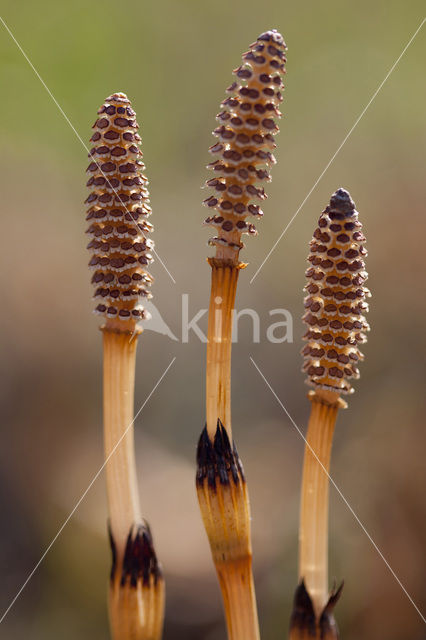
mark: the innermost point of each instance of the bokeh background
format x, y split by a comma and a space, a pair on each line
174, 59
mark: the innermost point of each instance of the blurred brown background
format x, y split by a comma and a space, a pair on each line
174, 59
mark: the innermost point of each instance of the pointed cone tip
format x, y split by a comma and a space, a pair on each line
341, 201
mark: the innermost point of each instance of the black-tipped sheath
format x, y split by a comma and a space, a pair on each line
218, 460
140, 560
303, 620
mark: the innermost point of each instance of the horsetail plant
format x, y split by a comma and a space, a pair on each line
118, 208
335, 307
244, 150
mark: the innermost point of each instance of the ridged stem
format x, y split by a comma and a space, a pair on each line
224, 281
236, 583
119, 382
313, 532
137, 613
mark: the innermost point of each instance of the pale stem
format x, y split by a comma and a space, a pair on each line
122, 488
219, 344
236, 581
313, 532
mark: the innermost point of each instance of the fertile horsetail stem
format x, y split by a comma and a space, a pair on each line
244, 156
117, 211
335, 308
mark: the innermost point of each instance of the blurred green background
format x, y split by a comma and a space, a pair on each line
174, 60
